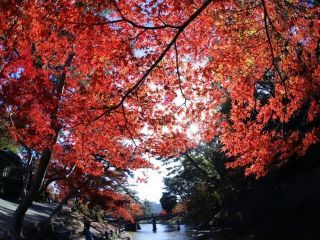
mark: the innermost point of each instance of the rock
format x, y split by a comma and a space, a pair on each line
5, 235
69, 225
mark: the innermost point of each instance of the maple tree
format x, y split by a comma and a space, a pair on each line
108, 191
126, 80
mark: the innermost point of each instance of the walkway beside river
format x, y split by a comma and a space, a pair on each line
38, 212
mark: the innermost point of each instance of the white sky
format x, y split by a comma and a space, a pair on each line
152, 190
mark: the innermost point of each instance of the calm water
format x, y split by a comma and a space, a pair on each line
164, 232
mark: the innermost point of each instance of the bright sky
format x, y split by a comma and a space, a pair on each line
152, 190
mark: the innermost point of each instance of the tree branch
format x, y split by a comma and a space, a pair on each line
179, 75
71, 194
125, 19
56, 178
274, 60
137, 85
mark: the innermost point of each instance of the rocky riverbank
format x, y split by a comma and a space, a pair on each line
68, 224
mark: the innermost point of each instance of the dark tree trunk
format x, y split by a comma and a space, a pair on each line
20, 212
64, 201
27, 178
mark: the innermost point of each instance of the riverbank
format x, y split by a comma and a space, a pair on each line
172, 221
70, 225
66, 224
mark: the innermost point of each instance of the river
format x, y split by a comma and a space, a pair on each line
164, 232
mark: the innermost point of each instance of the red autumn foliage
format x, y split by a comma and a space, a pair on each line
126, 79
163, 212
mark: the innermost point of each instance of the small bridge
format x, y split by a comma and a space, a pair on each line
159, 217
154, 218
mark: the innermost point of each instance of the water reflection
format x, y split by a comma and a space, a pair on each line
164, 232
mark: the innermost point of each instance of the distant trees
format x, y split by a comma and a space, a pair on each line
199, 180
216, 196
168, 202
146, 207
6, 140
